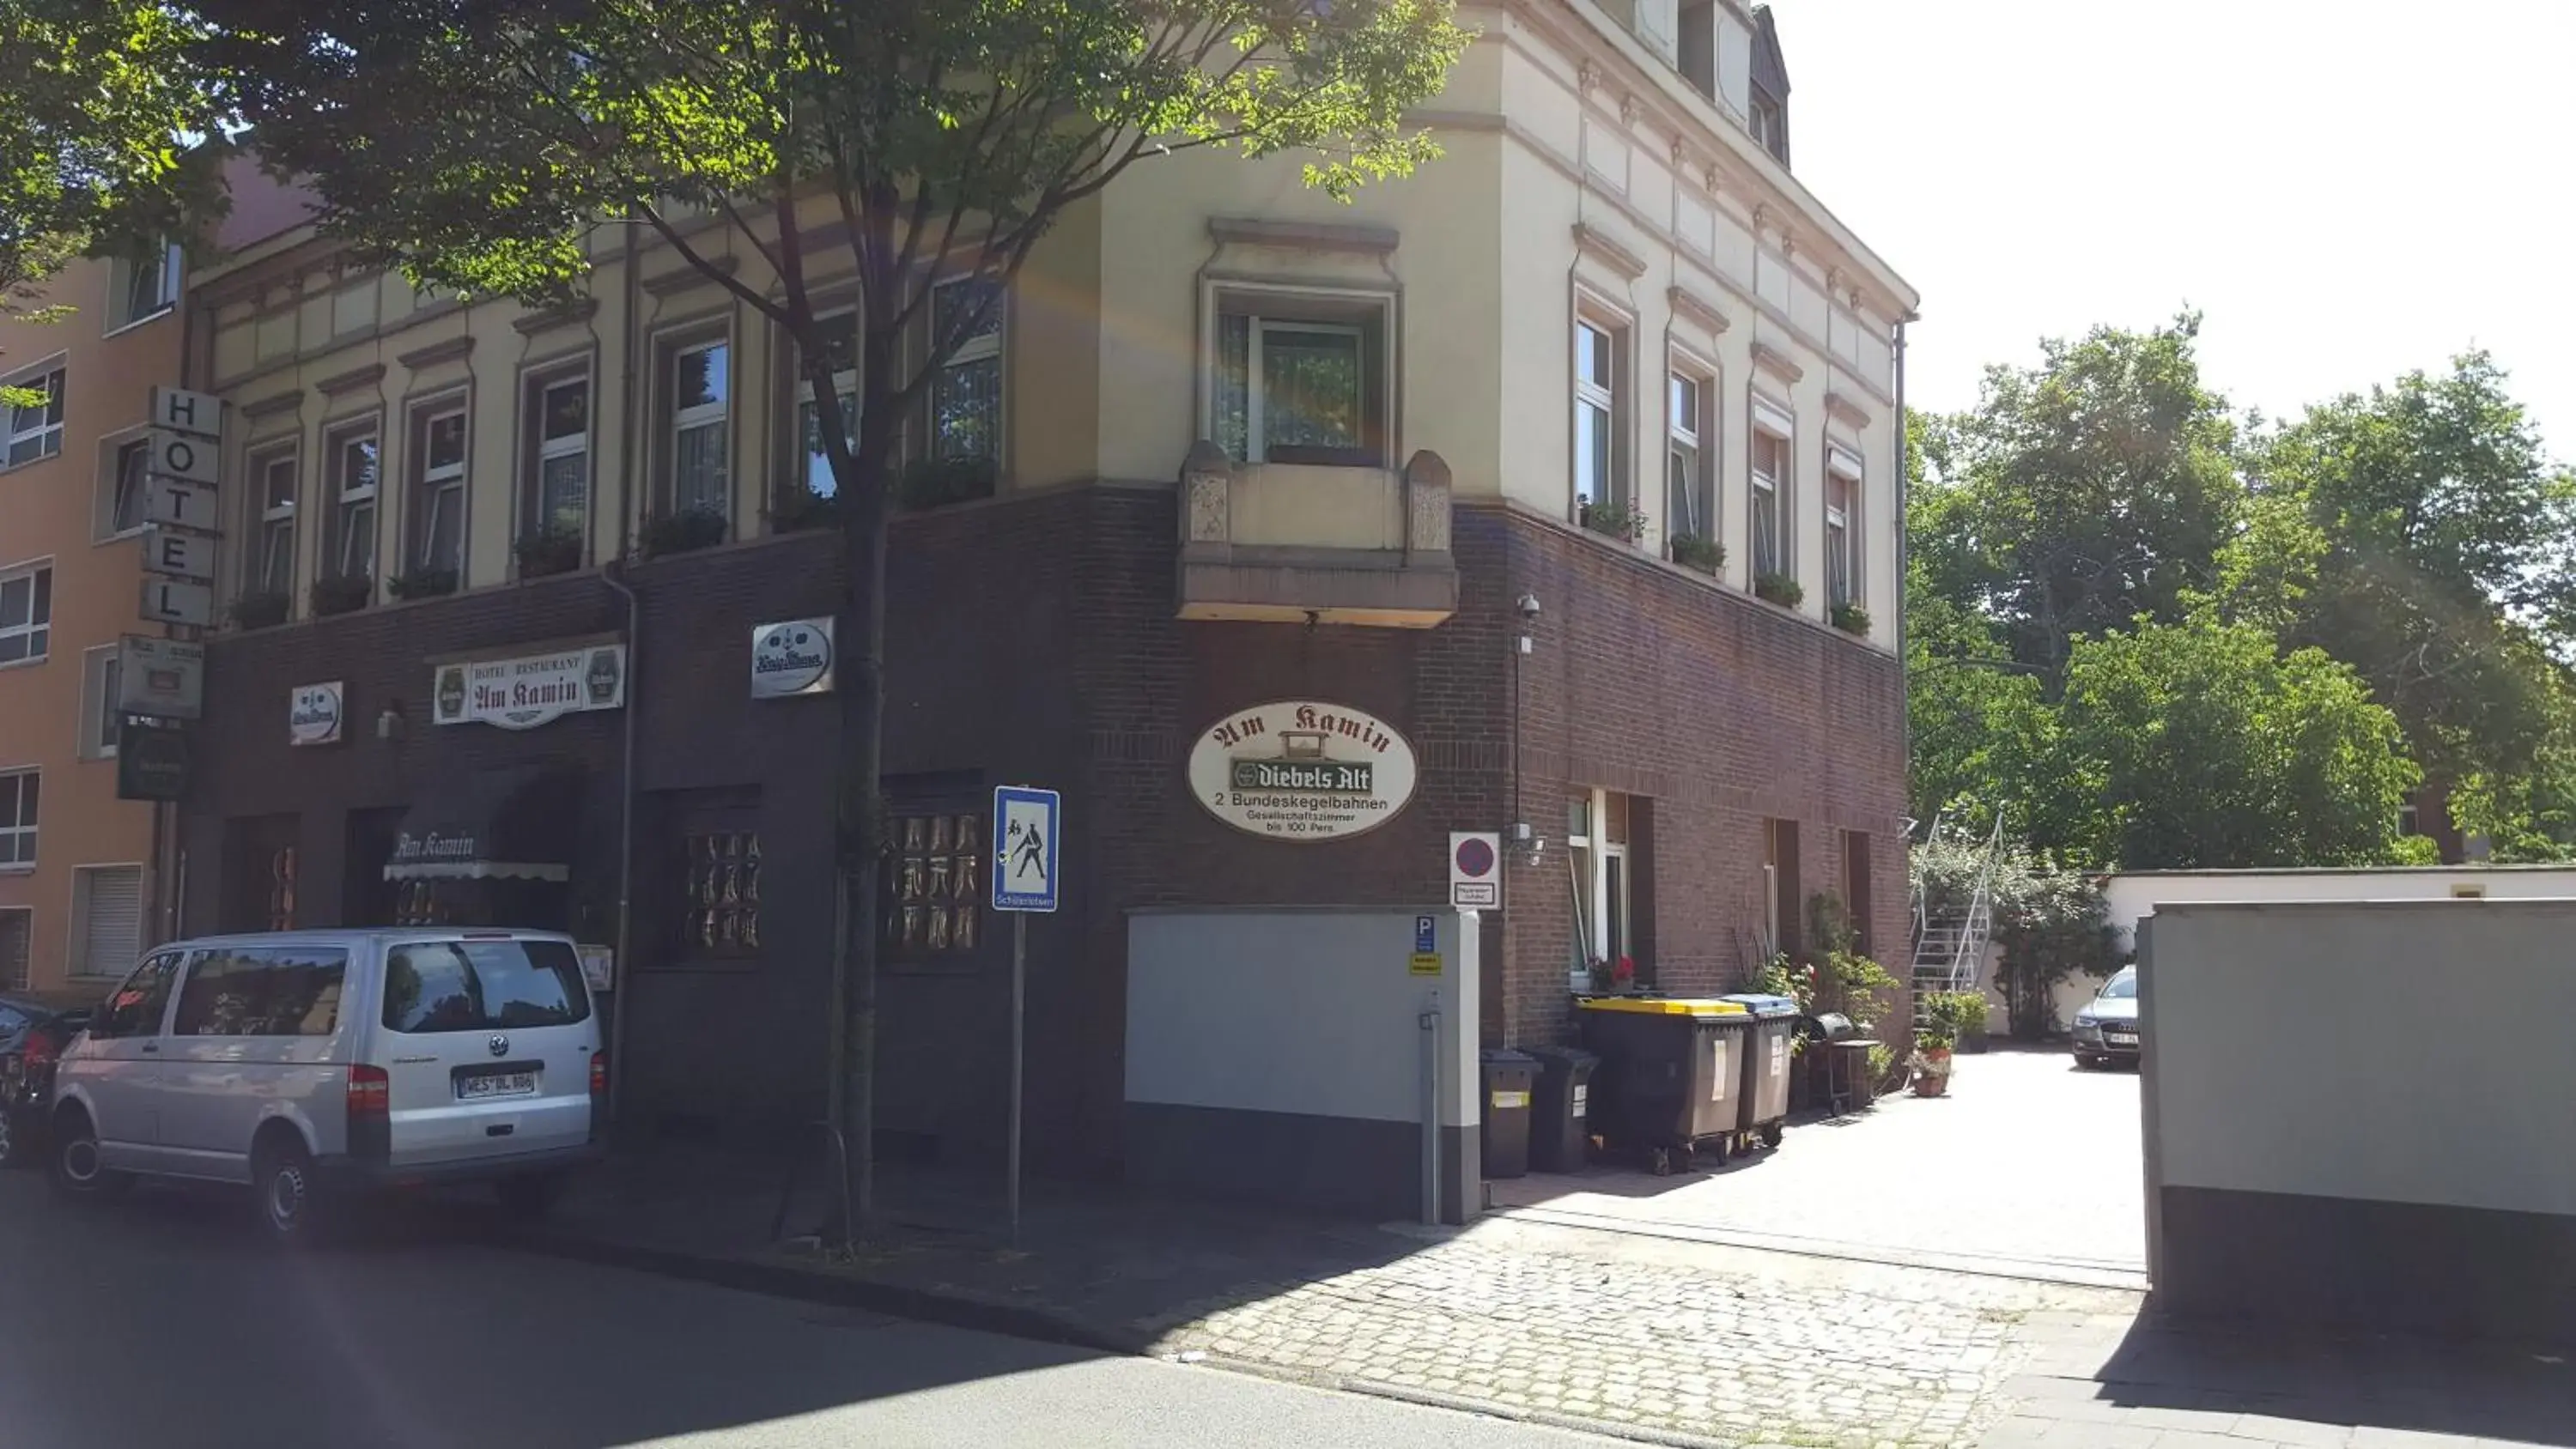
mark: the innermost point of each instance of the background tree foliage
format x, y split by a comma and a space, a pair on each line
102, 103
2153, 637
478, 144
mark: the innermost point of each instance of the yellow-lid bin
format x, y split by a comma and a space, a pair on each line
1662, 1005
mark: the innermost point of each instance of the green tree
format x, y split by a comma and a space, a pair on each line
2204, 745
100, 101
476, 146
2080, 494
2421, 534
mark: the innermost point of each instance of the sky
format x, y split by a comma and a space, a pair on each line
2348, 190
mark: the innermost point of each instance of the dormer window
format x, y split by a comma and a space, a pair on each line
1766, 113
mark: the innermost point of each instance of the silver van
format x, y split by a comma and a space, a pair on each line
311, 1065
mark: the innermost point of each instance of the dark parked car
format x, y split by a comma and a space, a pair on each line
32, 1038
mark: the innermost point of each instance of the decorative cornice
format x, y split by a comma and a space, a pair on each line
1692, 304
1593, 239
1841, 406
273, 404
681, 278
1777, 363
448, 350
352, 380
567, 315
1312, 236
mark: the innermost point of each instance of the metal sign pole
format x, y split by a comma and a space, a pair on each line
1019, 1017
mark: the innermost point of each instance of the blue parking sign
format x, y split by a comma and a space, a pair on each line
1027, 861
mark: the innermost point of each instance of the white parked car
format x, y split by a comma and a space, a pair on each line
312, 1065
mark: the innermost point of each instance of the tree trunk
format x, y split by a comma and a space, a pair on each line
865, 505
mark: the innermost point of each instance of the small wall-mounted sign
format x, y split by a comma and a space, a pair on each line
151, 761
317, 714
1475, 870
792, 658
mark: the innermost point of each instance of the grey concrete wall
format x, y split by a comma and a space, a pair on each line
2361, 1112
1277, 1054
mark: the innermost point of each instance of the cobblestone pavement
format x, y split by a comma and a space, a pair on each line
1662, 1339
2038, 1166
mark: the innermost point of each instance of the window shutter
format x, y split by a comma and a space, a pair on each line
108, 932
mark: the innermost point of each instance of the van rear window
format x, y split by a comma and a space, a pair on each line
435, 986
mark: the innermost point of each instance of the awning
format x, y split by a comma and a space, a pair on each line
506, 823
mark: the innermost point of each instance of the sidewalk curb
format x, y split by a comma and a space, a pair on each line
783, 1280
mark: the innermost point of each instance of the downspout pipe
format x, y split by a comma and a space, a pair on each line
613, 573
1904, 530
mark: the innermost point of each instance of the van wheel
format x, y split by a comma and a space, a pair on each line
284, 1190
77, 1168
526, 1199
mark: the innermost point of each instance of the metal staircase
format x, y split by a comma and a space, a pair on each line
1950, 941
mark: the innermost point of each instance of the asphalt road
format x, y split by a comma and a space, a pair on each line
162, 1320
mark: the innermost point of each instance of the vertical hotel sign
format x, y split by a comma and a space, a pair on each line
179, 507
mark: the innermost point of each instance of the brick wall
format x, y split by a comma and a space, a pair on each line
1035, 641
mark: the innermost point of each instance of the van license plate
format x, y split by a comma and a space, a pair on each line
496, 1084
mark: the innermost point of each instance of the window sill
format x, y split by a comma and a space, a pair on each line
39, 459
147, 319
27, 869
28, 663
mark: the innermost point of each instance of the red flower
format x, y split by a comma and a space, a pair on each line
1626, 970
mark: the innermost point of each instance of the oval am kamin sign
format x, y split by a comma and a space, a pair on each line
1302, 770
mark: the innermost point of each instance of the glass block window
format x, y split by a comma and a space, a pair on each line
721, 894
934, 888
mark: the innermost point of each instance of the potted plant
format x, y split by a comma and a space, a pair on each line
422, 583
1694, 552
549, 551
1614, 978
686, 531
341, 594
801, 508
938, 482
261, 609
1945, 1015
1779, 589
1849, 617
1615, 520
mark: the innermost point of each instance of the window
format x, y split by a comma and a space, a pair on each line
559, 413
2408, 820
36, 429
934, 887
701, 403
17, 928
1300, 381
1689, 507
120, 493
26, 614
275, 561
107, 918
488, 985
146, 286
841, 349
966, 396
1597, 842
1842, 561
99, 714
1770, 131
1596, 412
1781, 916
18, 791
438, 492
353, 482
262, 991
720, 893
1770, 464
135, 1008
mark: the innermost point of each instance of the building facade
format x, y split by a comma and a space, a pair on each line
75, 861
1233, 463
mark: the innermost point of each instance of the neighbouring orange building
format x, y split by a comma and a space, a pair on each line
75, 861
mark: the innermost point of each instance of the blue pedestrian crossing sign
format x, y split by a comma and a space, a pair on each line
1027, 831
